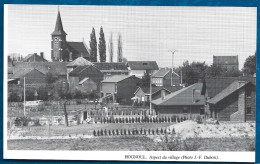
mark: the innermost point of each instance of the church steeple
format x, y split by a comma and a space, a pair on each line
58, 41
58, 27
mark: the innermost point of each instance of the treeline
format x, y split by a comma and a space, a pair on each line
197, 71
101, 47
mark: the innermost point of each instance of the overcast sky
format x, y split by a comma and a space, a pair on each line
197, 33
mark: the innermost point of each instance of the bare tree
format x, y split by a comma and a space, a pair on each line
119, 49
110, 48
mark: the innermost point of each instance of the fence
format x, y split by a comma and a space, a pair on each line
117, 132
154, 119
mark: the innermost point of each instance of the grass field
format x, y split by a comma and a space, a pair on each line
86, 129
131, 143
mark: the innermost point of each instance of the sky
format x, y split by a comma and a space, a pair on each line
148, 32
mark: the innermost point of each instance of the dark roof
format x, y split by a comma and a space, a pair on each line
110, 66
216, 85
233, 87
146, 90
80, 61
117, 78
57, 68
225, 60
183, 97
161, 73
78, 48
143, 65
78, 70
58, 27
23, 72
37, 58
164, 72
173, 88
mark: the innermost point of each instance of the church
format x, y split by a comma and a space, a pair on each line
63, 50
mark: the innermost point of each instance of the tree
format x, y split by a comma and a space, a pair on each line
102, 46
194, 72
110, 47
93, 46
119, 49
63, 95
250, 65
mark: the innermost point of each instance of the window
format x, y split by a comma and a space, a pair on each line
248, 110
185, 110
202, 111
248, 93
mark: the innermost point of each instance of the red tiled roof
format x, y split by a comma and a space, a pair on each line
143, 65
183, 97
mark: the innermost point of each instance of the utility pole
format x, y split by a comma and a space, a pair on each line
150, 91
24, 96
172, 51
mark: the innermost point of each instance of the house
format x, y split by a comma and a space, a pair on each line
80, 61
186, 101
139, 68
111, 69
226, 62
35, 58
142, 94
63, 50
87, 78
32, 77
166, 78
57, 69
120, 88
231, 98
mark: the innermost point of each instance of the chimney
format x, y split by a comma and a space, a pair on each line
42, 54
162, 94
193, 95
70, 56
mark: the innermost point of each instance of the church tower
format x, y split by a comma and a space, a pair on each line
58, 43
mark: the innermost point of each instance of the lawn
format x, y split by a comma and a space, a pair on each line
132, 143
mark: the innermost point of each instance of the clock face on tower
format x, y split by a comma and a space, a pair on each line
56, 42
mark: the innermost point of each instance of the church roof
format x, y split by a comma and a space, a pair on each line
78, 48
80, 61
58, 27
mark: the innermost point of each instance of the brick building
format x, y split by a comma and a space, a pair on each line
35, 58
138, 68
111, 69
187, 101
86, 78
63, 50
120, 87
142, 94
226, 62
231, 99
164, 78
